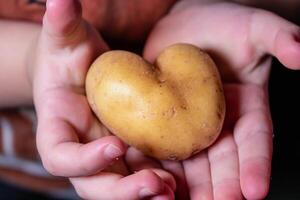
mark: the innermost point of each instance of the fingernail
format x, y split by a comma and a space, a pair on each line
112, 152
145, 192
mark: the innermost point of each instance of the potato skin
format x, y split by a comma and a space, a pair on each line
170, 110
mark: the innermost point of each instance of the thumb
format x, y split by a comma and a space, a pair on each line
277, 37
63, 23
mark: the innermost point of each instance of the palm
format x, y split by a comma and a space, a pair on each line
231, 161
68, 130
241, 155
238, 163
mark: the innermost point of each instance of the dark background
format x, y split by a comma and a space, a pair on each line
284, 91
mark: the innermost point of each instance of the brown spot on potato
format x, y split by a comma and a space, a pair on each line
170, 113
146, 149
210, 138
206, 80
219, 114
220, 111
184, 107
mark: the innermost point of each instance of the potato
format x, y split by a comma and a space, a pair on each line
169, 110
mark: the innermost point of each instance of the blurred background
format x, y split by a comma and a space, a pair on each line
284, 91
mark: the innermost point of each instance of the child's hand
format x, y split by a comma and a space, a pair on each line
70, 140
239, 39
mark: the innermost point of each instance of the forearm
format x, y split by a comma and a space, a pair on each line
16, 39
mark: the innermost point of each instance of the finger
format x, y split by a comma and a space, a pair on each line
223, 159
240, 99
137, 161
168, 195
167, 178
62, 155
254, 140
176, 169
141, 185
253, 136
276, 36
63, 25
62, 17
252, 133
65, 34
198, 176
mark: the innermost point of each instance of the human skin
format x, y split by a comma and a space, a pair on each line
239, 39
70, 140
16, 40
228, 169
129, 20
61, 44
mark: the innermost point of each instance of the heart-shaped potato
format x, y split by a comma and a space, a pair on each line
169, 110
